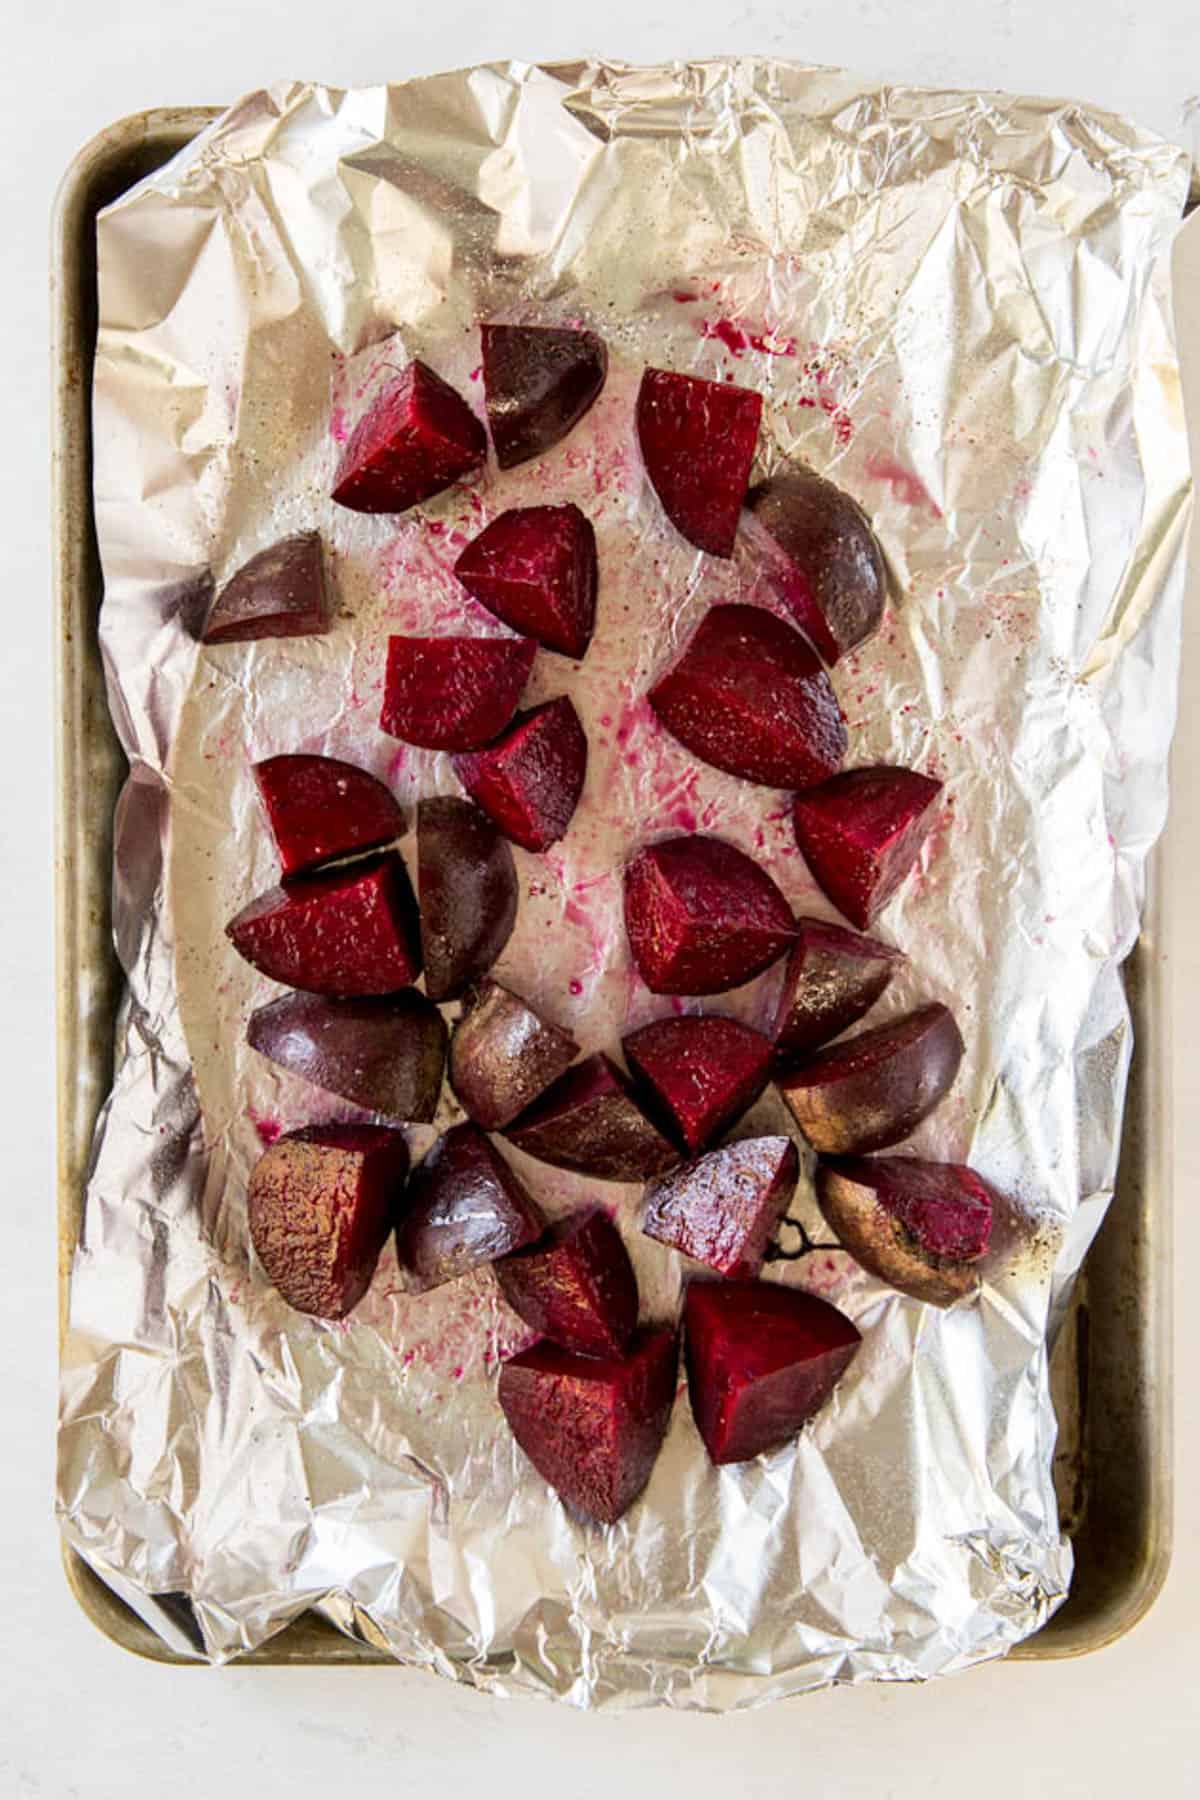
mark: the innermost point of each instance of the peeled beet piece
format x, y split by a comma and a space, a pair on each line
701, 917
539, 382
721, 1209
704, 1072
919, 1226
750, 697
822, 558
279, 593
872, 1089
351, 931
861, 833
386, 1053
762, 1360
417, 438
575, 1285
698, 440
318, 808
321, 1203
529, 781
593, 1426
464, 1207
833, 977
467, 882
503, 1055
453, 693
590, 1121
535, 568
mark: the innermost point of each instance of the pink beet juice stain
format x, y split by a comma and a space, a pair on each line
737, 340
269, 1129
908, 487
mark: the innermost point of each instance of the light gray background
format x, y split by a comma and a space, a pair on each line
77, 1716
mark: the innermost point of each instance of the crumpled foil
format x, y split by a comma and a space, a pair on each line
954, 305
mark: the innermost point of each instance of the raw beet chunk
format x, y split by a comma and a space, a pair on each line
593, 1426
750, 697
321, 1203
539, 383
822, 558
417, 438
385, 1053
279, 593
919, 1226
351, 931
862, 832
319, 808
453, 693
503, 1055
465, 1206
701, 917
721, 1209
872, 1089
704, 1072
698, 439
833, 977
529, 781
590, 1121
535, 568
467, 882
575, 1285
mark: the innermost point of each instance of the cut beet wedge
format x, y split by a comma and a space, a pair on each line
319, 808
321, 1203
503, 1055
762, 1360
279, 593
453, 693
350, 931
749, 696
539, 381
822, 558
385, 1053
722, 1209
467, 883
861, 833
418, 438
529, 781
871, 1090
590, 1121
535, 568
593, 1426
465, 1206
698, 440
575, 1286
920, 1226
702, 917
833, 977
703, 1072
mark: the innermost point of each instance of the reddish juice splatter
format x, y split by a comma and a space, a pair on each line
269, 1129
737, 340
908, 488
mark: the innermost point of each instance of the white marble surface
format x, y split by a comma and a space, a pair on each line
77, 1716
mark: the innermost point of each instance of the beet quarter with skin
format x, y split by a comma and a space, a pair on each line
453, 693
539, 382
871, 1090
418, 437
467, 883
701, 917
698, 440
503, 1055
833, 977
348, 931
279, 593
590, 1121
920, 1226
386, 1053
575, 1286
465, 1206
319, 808
529, 780
703, 1071
822, 558
535, 568
722, 1209
861, 833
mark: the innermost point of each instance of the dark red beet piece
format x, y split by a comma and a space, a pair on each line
453, 693
919, 1226
722, 1208
590, 1121
833, 977
822, 558
386, 1053
279, 593
862, 832
701, 917
465, 1206
750, 697
351, 931
319, 808
872, 1089
762, 1360
467, 882
704, 1072
593, 1426
575, 1285
535, 568
539, 383
418, 437
503, 1055
698, 439
529, 781
321, 1203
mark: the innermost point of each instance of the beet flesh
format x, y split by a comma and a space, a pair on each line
871, 1090
575, 1285
833, 977
539, 382
703, 1071
467, 883
861, 833
920, 1226
722, 1209
590, 1121
698, 440
385, 1053
529, 781
279, 593
535, 568
822, 558
347, 932
503, 1055
418, 437
453, 693
319, 808
465, 1206
701, 917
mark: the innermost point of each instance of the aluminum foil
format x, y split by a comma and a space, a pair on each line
954, 305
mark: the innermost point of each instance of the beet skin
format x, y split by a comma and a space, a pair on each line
503, 1055
920, 1226
465, 1206
871, 1090
539, 381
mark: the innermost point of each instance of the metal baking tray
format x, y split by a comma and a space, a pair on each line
1111, 1369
